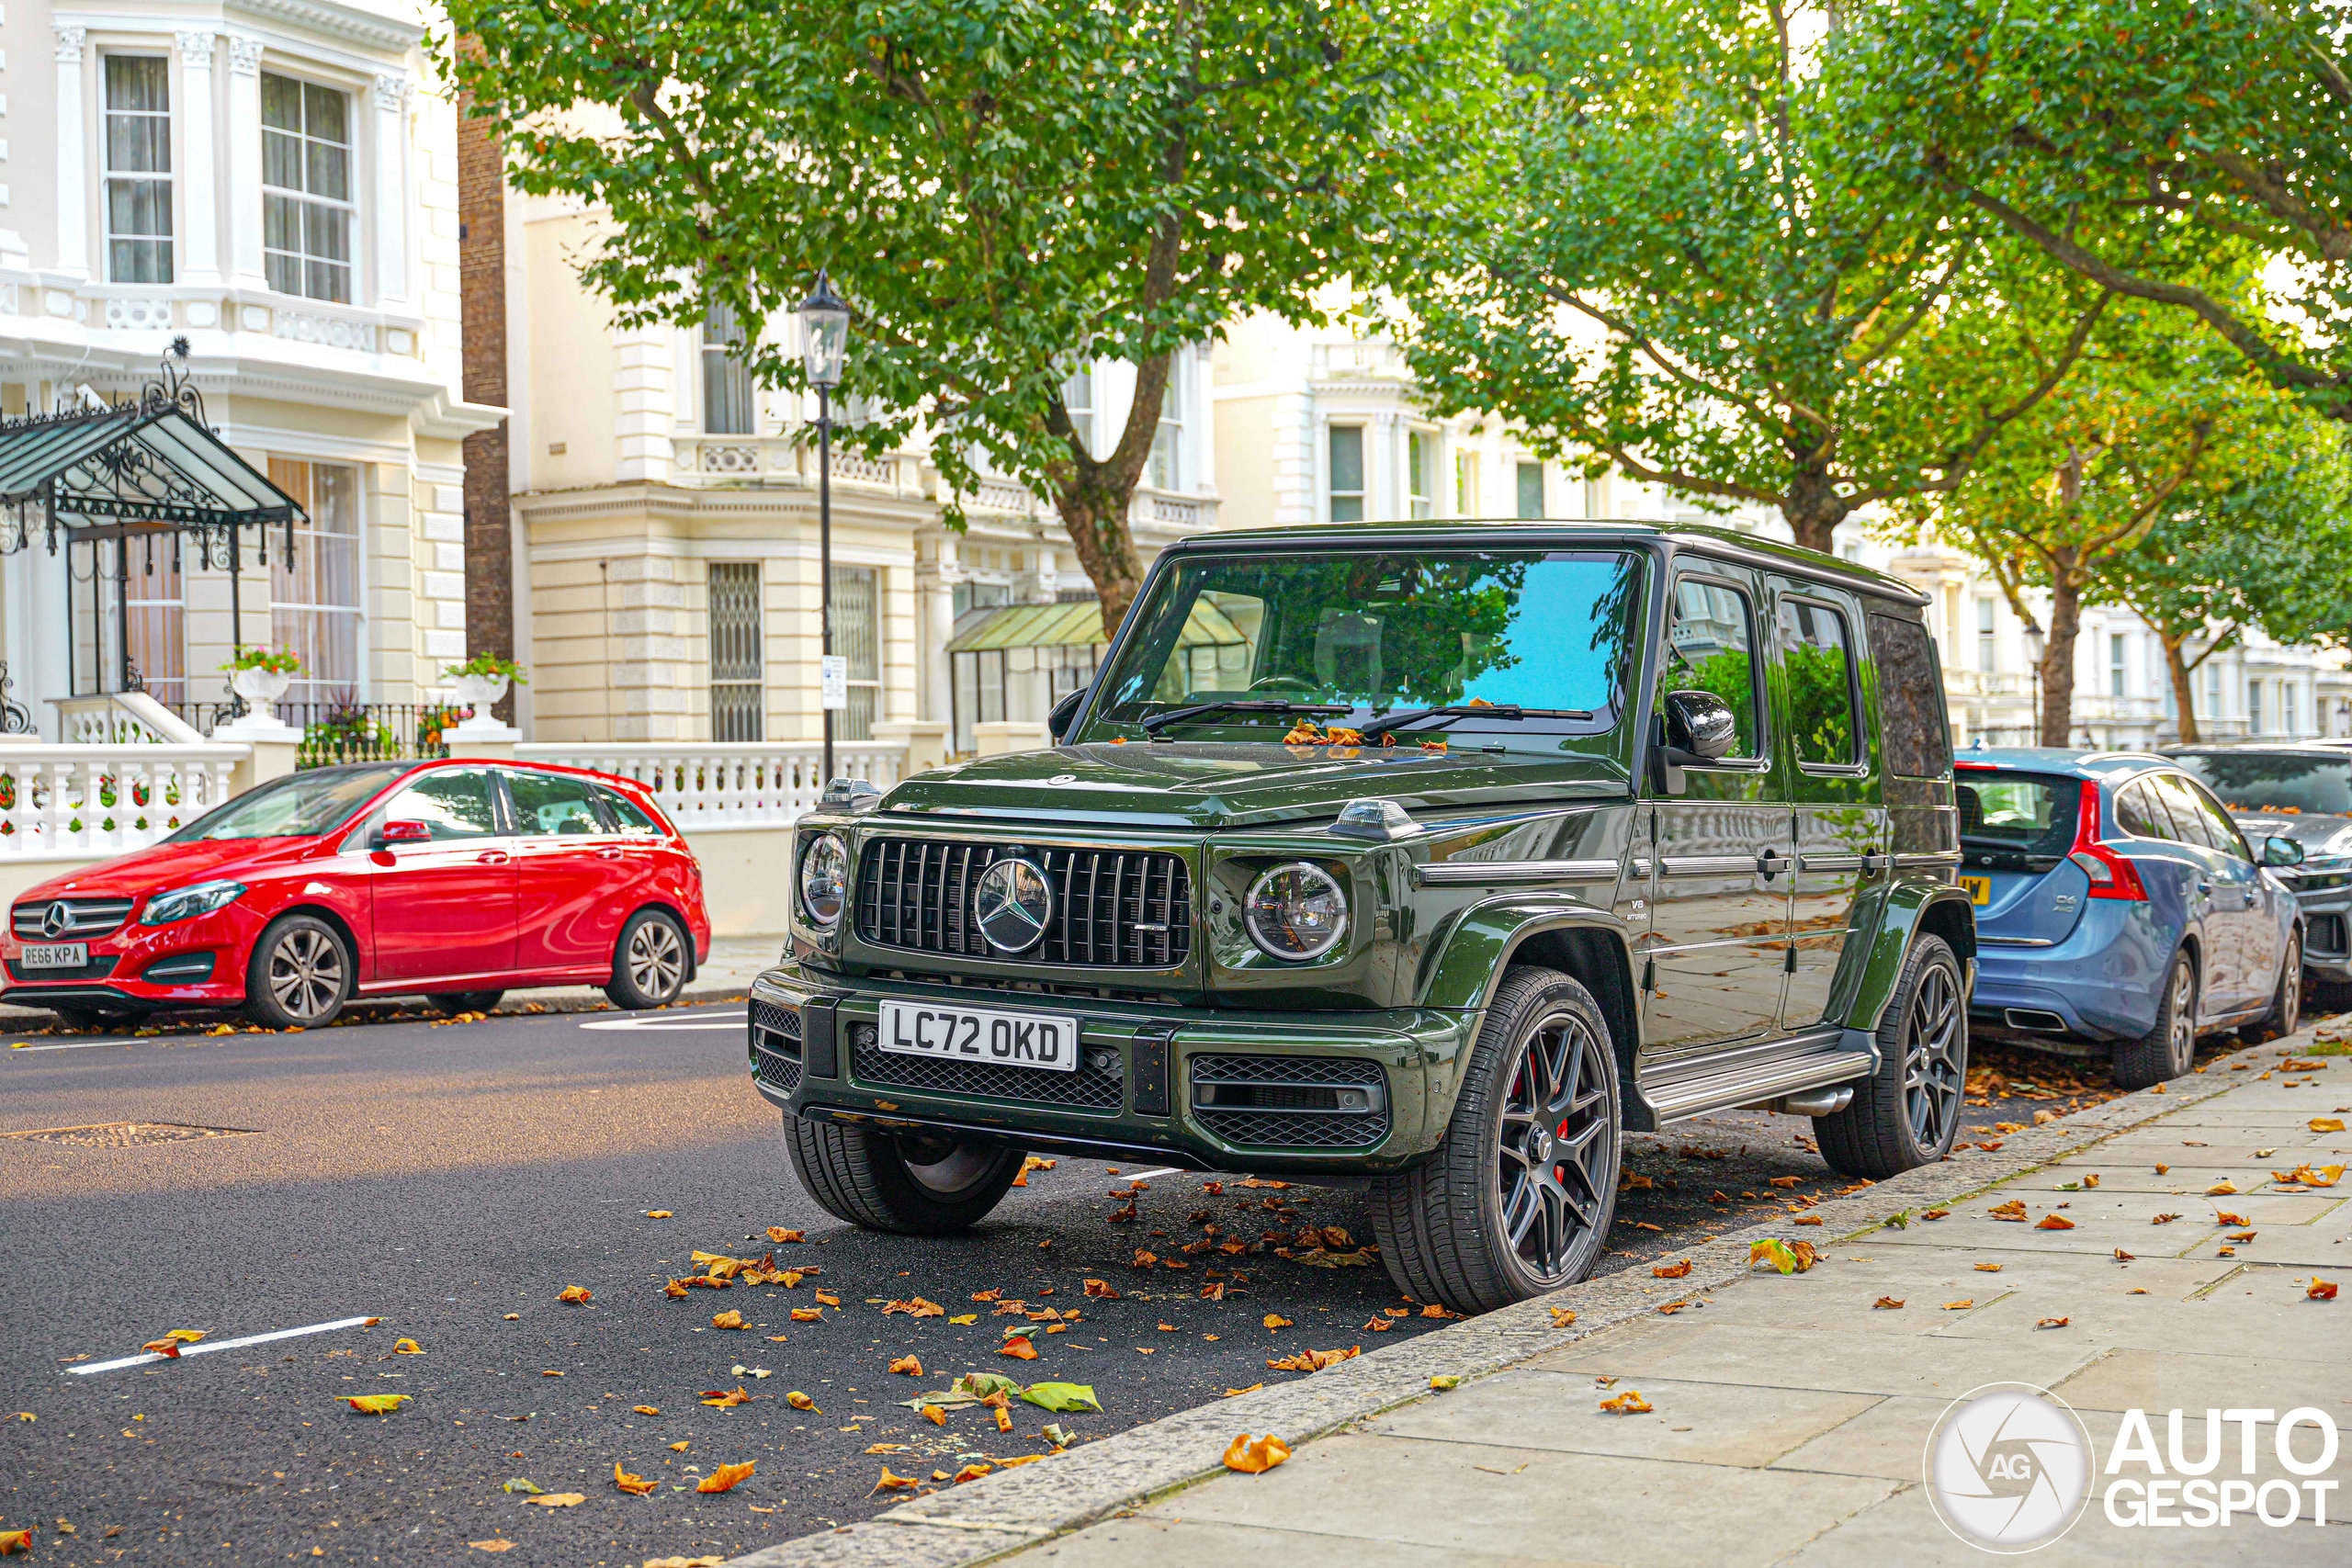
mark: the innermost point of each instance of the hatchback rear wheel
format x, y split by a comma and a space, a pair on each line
2170, 1046
300, 974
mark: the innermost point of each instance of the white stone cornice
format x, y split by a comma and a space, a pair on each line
196, 50
69, 40
350, 23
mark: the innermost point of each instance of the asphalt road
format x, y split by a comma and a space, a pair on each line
449, 1180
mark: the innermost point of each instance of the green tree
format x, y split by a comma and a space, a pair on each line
1004, 189
1695, 271
2156, 422
2272, 551
2129, 138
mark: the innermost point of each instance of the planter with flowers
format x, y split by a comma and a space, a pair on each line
261, 676
480, 683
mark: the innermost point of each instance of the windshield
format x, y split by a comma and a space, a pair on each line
2274, 781
1351, 637
2030, 814
298, 806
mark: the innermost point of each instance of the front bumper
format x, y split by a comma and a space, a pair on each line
198, 962
2326, 909
1135, 1096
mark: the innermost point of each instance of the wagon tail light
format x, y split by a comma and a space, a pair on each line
2112, 875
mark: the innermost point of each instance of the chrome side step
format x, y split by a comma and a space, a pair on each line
1769, 1070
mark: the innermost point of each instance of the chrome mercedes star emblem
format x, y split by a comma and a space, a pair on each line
1011, 901
55, 918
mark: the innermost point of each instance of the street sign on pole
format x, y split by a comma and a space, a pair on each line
832, 681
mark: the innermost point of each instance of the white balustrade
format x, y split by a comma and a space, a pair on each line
92, 801
111, 719
745, 784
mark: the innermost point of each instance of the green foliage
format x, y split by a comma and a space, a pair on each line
283, 661
487, 663
1698, 271
2130, 140
1004, 190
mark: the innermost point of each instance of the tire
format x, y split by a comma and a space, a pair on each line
1518, 1198
2169, 1047
300, 974
2285, 1013
650, 962
896, 1183
1906, 1114
449, 1004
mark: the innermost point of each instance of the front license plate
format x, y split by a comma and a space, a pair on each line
1044, 1040
1980, 888
55, 956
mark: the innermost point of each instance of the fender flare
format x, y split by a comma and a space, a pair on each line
1894, 914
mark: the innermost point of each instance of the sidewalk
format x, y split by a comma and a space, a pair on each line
1790, 1414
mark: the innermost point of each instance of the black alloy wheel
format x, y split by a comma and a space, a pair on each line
1906, 1113
1935, 1067
1557, 1162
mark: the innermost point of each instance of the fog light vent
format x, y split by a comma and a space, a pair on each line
1313, 1102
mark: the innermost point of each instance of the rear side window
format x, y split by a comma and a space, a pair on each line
1709, 647
2187, 813
1911, 699
2140, 812
1818, 664
552, 805
2222, 832
627, 816
2028, 813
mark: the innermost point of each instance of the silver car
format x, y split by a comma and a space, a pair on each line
2300, 791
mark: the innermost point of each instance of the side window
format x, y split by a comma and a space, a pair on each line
551, 804
1710, 646
2139, 813
2217, 823
1817, 663
2188, 822
1911, 699
454, 803
628, 816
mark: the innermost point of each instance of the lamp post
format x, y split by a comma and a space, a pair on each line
2033, 651
824, 336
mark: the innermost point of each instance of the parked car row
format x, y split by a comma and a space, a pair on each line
453, 881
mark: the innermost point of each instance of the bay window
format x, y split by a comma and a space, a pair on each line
138, 147
307, 207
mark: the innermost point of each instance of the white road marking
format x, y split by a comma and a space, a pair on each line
211, 1345
72, 1044
730, 1021
1148, 1175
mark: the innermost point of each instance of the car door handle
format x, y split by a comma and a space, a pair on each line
608, 854
492, 857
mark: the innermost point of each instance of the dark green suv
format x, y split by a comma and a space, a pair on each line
1426, 857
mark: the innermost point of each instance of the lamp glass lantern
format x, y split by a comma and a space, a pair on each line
825, 326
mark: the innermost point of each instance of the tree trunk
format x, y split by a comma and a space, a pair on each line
1813, 509
1093, 496
2058, 656
2183, 695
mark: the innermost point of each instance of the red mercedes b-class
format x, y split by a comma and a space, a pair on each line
452, 880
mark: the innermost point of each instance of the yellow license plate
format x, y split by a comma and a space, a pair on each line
1980, 888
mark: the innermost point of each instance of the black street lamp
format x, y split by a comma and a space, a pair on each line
824, 338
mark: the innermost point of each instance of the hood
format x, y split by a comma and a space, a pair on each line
1205, 786
167, 866
2322, 834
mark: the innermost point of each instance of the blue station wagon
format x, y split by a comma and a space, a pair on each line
2120, 909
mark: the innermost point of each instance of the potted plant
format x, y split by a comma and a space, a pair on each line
261, 676
482, 680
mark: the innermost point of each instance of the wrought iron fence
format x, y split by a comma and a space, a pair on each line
341, 731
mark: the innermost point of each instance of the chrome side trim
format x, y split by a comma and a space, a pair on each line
1983, 941
1770, 1079
1710, 866
1832, 863
1451, 872
1923, 862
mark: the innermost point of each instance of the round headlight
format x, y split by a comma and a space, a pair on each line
824, 879
1296, 912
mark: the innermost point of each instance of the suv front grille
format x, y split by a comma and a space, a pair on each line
776, 1046
1292, 1102
84, 918
1129, 908
1096, 1085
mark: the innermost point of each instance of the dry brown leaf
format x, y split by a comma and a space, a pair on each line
1102, 1290
2054, 1223
2163, 1219
1989, 1268
675, 1289
2052, 1322
494, 1544
890, 1482
728, 1319
1629, 1402
1255, 1456
780, 1235
726, 1476
907, 1365
800, 1400
558, 1499
2320, 1289
1433, 1310
574, 1293
1930, 1215
2013, 1210
1670, 1270
1238, 1393
657, 1214
826, 1298
1315, 1360
1886, 1303
915, 1308
724, 1398
2161, 1169
1275, 1320
807, 1315
934, 1415
1785, 1180
2222, 1190
2223, 1217
646, 1409
1958, 1306
634, 1485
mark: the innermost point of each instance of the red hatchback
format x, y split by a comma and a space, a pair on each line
452, 880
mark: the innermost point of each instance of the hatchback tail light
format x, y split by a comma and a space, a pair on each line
2112, 875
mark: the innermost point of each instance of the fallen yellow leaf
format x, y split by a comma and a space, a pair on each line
2052, 1322
681, 1446
1629, 1402
726, 1476
558, 1499
778, 1235
1315, 1360
890, 1482
1958, 1306
934, 1415
494, 1544
657, 1213
731, 1319
1255, 1456
1989, 1268
13, 1541
727, 1399
800, 1400
646, 1409
1563, 1316
375, 1403
2326, 1123
1887, 1304
807, 1315
634, 1485
1275, 1320
407, 1348
573, 1293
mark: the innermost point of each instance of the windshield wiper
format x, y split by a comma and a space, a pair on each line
1276, 706
1387, 722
